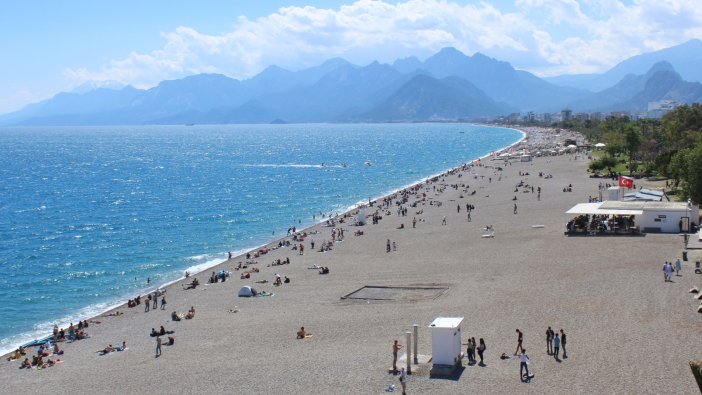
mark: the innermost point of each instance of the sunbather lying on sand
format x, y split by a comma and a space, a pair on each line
106, 350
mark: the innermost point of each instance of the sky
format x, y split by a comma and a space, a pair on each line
50, 46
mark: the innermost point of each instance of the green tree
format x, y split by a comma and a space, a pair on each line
682, 128
687, 165
632, 141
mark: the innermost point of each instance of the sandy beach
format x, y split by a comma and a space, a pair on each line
628, 330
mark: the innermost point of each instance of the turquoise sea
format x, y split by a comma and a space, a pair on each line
87, 214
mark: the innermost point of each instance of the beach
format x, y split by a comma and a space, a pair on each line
628, 330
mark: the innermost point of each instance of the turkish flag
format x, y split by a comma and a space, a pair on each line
626, 182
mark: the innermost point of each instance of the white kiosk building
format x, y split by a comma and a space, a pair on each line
445, 345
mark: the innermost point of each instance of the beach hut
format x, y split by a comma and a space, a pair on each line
247, 292
445, 345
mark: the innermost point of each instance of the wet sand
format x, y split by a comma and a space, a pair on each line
628, 331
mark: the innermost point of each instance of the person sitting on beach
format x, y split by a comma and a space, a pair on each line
80, 335
301, 334
191, 313
287, 280
40, 362
26, 364
171, 341
174, 316
153, 333
193, 284
56, 349
162, 331
122, 347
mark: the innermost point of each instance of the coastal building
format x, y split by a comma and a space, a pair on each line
648, 216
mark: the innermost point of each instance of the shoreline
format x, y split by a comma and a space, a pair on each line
600, 290
240, 254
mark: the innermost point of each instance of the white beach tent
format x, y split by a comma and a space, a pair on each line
247, 291
361, 217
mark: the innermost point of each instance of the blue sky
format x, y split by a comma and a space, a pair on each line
51, 46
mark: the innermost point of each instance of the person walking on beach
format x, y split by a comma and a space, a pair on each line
563, 343
163, 302
158, 346
155, 301
678, 267
403, 381
668, 271
515, 211
523, 366
394, 246
556, 346
387, 246
468, 216
395, 348
443, 221
414, 222
549, 341
520, 339
147, 304
481, 350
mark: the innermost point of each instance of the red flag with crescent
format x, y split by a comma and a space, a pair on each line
626, 182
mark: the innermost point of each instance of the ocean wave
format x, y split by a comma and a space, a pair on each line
294, 165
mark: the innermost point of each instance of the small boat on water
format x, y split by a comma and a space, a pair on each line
368, 163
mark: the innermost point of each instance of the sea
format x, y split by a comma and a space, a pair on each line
93, 216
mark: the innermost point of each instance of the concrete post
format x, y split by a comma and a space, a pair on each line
416, 333
409, 352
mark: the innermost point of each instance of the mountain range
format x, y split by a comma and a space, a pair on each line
446, 86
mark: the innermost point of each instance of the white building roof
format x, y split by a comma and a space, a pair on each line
446, 322
616, 207
597, 208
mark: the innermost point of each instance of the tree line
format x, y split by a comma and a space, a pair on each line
670, 147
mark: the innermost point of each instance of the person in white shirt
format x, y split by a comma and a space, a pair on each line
523, 365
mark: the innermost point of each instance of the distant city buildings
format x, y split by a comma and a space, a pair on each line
656, 109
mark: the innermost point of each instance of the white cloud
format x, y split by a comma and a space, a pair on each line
546, 36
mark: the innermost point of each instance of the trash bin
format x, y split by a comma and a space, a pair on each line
685, 256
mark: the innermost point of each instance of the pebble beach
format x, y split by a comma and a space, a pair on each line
628, 330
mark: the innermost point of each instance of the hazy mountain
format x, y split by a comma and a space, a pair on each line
407, 65
427, 98
500, 80
63, 104
686, 58
447, 85
345, 89
633, 92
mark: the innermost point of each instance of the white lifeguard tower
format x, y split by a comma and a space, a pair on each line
445, 345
